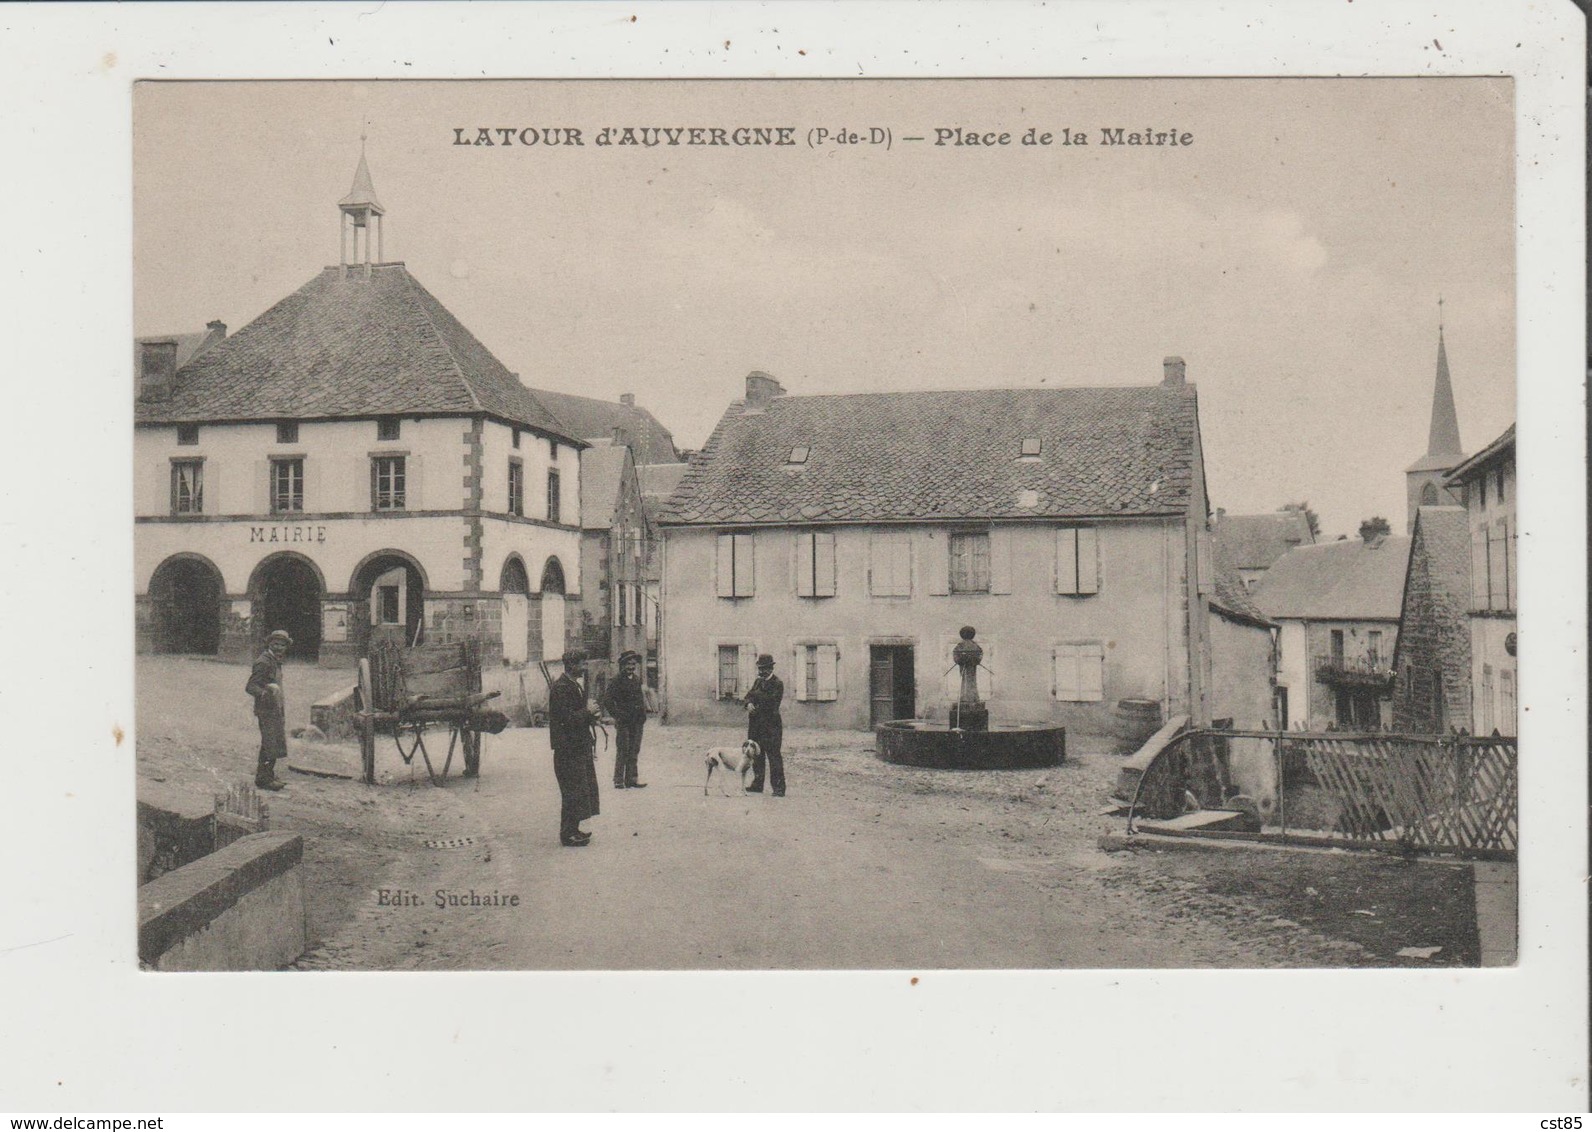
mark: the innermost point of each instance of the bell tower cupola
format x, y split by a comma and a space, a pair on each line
361, 216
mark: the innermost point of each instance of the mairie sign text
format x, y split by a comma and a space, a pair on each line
309, 532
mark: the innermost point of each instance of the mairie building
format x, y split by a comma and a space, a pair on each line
352, 458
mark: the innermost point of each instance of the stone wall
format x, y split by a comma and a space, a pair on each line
175, 828
1433, 659
239, 909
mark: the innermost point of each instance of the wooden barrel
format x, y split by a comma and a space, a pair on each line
1137, 720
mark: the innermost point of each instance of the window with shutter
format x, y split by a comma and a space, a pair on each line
1077, 560
735, 570
187, 487
828, 672
729, 672
890, 564
1478, 567
1079, 672
970, 562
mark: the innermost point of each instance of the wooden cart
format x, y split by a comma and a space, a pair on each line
406, 691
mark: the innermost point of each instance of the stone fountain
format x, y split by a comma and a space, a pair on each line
970, 741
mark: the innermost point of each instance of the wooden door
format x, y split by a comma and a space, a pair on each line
891, 688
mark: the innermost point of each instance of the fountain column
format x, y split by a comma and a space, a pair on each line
969, 713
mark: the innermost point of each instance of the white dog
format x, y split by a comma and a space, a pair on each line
734, 760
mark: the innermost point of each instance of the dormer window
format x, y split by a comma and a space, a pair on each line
1031, 448
798, 454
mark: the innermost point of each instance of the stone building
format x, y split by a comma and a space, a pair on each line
616, 550
352, 458
1338, 607
1487, 482
1251, 543
851, 536
1431, 662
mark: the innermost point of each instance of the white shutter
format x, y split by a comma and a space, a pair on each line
1091, 672
824, 564
262, 487
745, 565
1478, 567
1088, 560
1067, 672
211, 486
828, 672
1067, 560
1512, 582
804, 563
725, 572
748, 659
414, 485
902, 567
880, 564
312, 485
936, 562
798, 673
1000, 560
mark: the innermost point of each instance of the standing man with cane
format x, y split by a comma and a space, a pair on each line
765, 727
569, 726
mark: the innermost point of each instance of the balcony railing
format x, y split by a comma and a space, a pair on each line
1354, 671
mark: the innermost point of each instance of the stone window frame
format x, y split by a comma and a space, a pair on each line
197, 464
555, 492
396, 496
516, 487
969, 584
273, 494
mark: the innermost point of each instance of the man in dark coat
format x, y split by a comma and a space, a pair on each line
626, 701
569, 723
270, 708
765, 728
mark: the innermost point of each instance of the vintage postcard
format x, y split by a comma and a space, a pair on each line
989, 572
950, 490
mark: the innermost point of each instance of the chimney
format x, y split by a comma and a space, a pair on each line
761, 389
627, 399
157, 366
217, 328
1173, 371
621, 436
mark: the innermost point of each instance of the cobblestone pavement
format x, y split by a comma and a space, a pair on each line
863, 865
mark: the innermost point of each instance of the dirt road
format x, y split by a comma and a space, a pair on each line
862, 865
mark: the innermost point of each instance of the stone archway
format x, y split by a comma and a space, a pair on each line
285, 593
516, 590
552, 610
387, 594
185, 597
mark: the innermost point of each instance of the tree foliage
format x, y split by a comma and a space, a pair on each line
1375, 525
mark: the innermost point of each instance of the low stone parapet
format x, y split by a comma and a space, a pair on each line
174, 827
333, 715
239, 909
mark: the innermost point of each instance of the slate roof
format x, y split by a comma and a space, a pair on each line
591, 419
350, 347
1345, 580
188, 345
1254, 542
1123, 450
1231, 598
1505, 444
658, 482
602, 481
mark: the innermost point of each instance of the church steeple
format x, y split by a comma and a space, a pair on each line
1424, 478
1444, 438
361, 212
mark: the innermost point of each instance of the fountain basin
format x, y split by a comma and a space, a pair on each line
1006, 746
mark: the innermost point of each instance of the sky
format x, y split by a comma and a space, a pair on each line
1293, 254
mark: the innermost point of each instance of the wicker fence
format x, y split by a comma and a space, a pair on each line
1424, 793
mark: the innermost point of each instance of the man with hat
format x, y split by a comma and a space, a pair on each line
765, 728
569, 723
626, 701
270, 709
